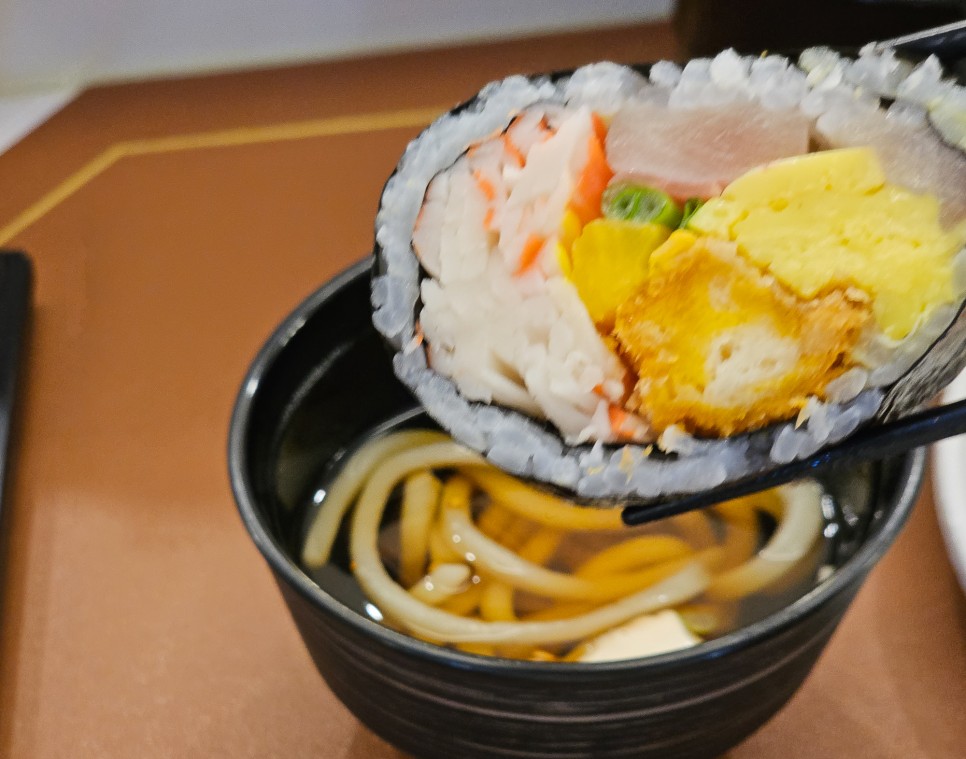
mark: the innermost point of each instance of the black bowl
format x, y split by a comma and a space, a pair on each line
320, 384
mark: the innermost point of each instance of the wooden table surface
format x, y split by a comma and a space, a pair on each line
172, 225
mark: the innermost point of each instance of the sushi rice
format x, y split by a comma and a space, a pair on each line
524, 348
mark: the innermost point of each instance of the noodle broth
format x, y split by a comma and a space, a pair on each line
489, 562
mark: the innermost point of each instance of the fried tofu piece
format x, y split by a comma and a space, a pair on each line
720, 348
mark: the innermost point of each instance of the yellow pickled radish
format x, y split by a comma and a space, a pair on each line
609, 264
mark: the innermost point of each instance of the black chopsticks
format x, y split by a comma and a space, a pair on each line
877, 442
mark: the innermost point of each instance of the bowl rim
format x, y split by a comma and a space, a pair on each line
911, 477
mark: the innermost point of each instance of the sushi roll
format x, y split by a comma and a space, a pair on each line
634, 283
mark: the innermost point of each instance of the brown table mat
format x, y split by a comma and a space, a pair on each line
173, 224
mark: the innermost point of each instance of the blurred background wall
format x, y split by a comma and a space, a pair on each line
50, 49
63, 44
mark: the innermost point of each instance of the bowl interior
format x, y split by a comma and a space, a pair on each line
324, 382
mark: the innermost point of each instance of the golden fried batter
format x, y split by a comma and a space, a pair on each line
720, 348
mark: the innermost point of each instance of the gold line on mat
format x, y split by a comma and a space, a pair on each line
298, 130
330, 127
60, 193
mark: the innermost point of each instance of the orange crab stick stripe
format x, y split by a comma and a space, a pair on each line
485, 185
600, 127
617, 417
513, 151
622, 424
546, 130
531, 252
488, 219
594, 178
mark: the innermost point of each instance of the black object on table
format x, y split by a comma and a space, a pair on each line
706, 26
16, 280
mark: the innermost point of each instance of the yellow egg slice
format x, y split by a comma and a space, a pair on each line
830, 220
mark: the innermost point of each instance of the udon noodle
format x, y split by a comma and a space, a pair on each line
483, 562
